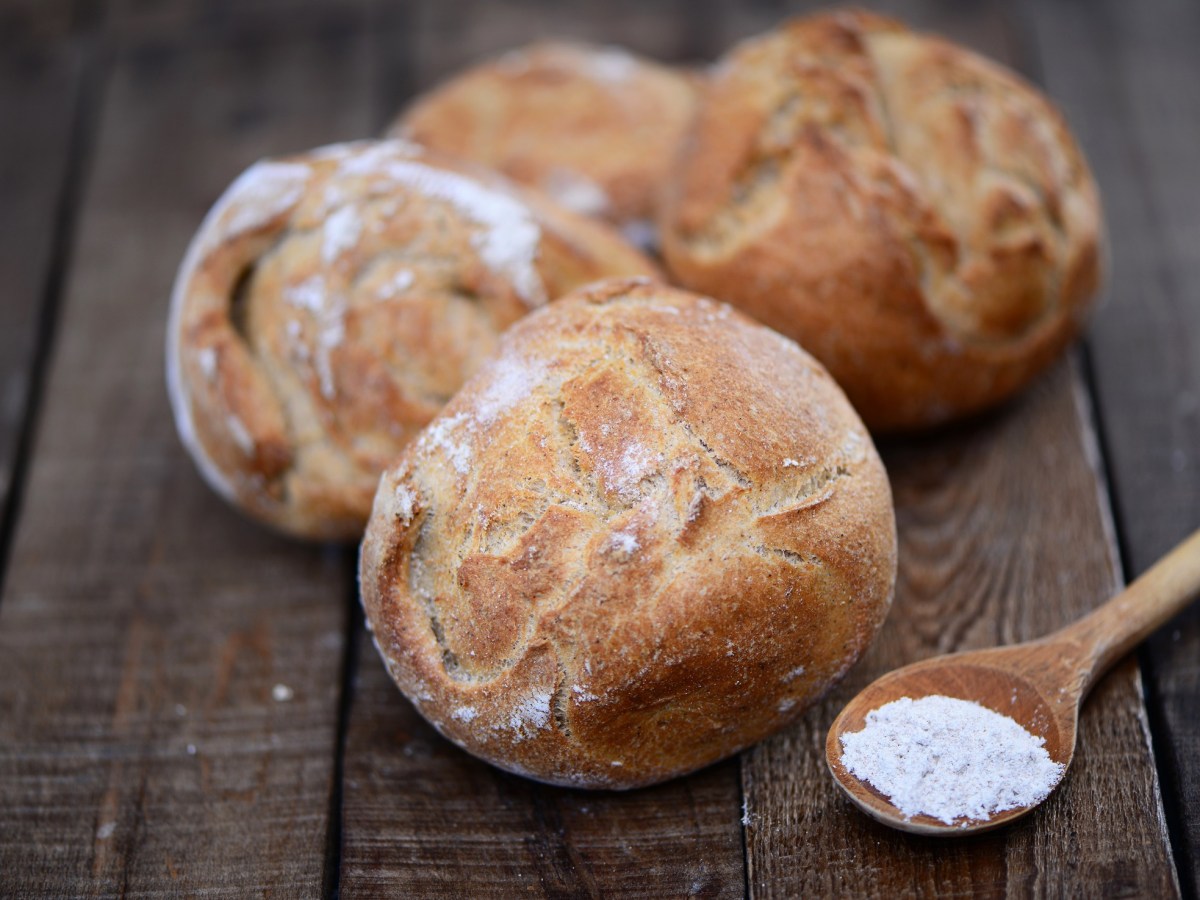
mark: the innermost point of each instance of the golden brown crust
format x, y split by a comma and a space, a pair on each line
332, 302
918, 218
646, 534
596, 128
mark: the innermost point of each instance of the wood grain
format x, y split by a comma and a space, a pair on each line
169, 673
1126, 77
420, 817
458, 33
801, 839
25, 24
144, 626
1002, 539
424, 819
1004, 535
227, 21
39, 88
1040, 684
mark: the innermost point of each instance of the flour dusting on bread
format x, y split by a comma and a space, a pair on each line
612, 65
595, 127
397, 284
450, 436
576, 192
530, 713
406, 502
328, 308
331, 302
609, 568
261, 194
510, 380
509, 239
342, 231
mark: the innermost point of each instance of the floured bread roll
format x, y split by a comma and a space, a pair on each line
596, 128
645, 535
332, 302
919, 218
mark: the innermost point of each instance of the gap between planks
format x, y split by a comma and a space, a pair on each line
1122, 74
144, 625
61, 126
965, 584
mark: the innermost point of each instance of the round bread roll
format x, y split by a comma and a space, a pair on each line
648, 533
594, 127
332, 302
918, 218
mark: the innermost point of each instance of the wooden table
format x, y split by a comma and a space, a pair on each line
188, 704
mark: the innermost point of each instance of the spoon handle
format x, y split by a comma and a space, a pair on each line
1111, 631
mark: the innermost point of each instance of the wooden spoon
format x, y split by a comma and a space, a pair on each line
1040, 684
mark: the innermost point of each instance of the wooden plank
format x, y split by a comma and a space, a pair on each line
980, 24
1004, 535
1126, 75
169, 672
39, 89
396, 67
1002, 538
424, 819
224, 20
35, 23
455, 35
420, 817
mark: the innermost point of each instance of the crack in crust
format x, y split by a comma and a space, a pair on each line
800, 560
420, 587
789, 497
560, 700
723, 464
328, 307
918, 217
530, 553
786, 130
608, 123
816, 489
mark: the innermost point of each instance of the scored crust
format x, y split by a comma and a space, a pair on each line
917, 217
646, 534
332, 302
596, 128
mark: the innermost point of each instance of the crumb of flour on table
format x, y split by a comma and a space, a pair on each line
282, 693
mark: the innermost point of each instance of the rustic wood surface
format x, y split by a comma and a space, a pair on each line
423, 819
40, 88
190, 705
1127, 79
170, 675
35, 23
1002, 537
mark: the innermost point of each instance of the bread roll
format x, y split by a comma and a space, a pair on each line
596, 128
648, 533
918, 218
332, 302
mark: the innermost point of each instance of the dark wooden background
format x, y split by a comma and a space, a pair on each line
188, 704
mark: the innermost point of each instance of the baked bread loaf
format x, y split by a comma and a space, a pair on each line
646, 534
332, 302
596, 128
918, 218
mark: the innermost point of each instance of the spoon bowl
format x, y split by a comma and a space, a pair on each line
995, 679
1040, 684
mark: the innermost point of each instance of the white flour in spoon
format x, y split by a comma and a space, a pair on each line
949, 759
